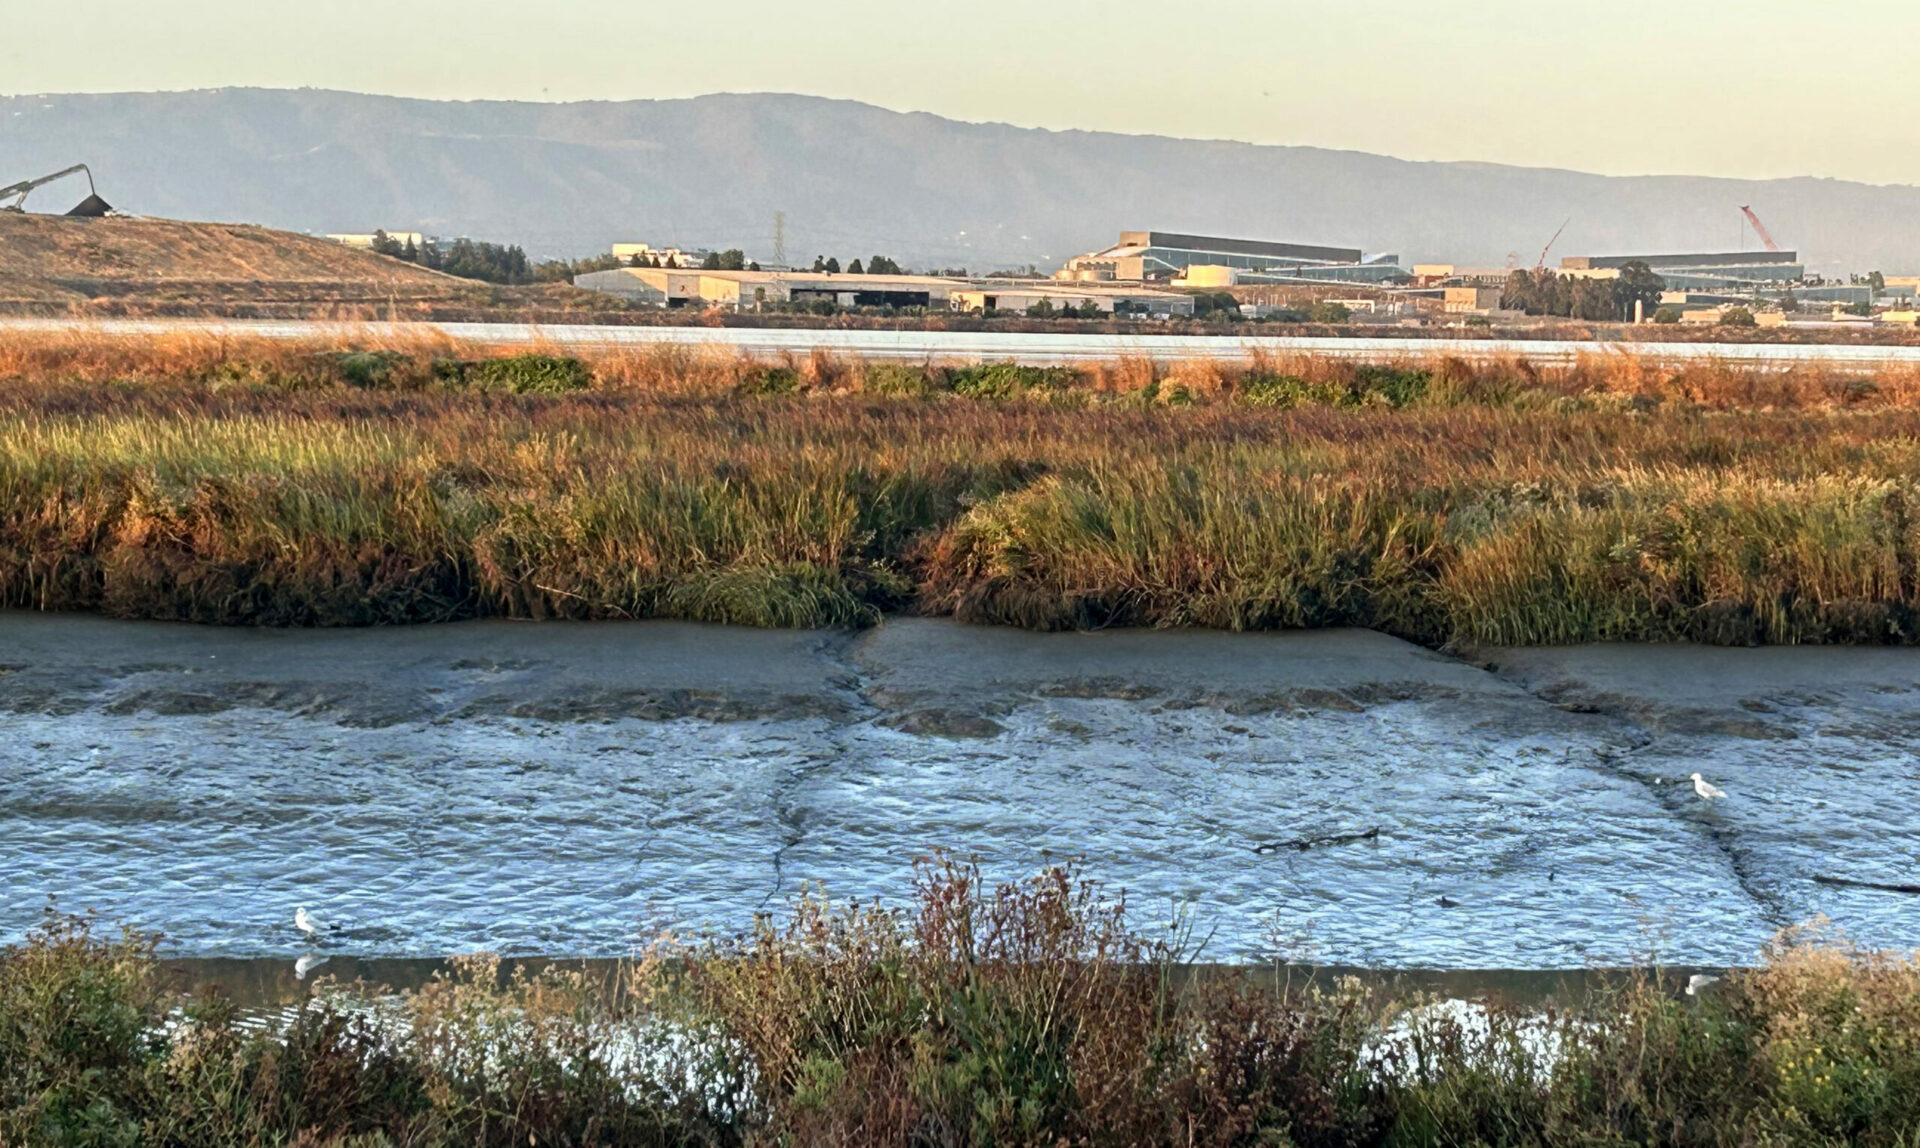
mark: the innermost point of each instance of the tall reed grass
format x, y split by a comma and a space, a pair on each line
361, 482
977, 1014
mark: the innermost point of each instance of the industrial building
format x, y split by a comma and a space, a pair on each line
1724, 271
1024, 295
669, 287
1163, 256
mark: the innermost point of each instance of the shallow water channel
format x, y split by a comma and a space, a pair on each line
573, 789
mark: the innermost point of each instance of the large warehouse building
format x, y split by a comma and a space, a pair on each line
667, 287
671, 288
1724, 271
1159, 256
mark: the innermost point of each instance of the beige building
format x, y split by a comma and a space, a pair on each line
403, 238
1471, 300
1209, 275
627, 252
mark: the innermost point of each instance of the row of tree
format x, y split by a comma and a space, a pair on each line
500, 263
467, 258
1595, 300
878, 265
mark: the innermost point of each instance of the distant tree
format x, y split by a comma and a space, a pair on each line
833, 266
1042, 309
488, 262
754, 267
1864, 310
819, 264
1737, 317
881, 265
563, 271
854, 268
384, 244
711, 262
1667, 314
1593, 300
1638, 284
1790, 303
1324, 312
1878, 282
411, 253
1517, 294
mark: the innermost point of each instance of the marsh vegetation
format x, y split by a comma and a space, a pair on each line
1453, 504
1028, 1013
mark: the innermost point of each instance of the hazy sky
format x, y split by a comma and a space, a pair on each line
1761, 88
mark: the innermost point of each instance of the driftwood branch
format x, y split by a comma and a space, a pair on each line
1302, 844
1850, 883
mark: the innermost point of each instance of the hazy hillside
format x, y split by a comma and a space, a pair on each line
854, 179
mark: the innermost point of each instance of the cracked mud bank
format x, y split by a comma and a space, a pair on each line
566, 789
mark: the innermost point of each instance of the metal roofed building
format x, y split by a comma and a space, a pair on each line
1702, 271
1110, 298
1145, 256
671, 287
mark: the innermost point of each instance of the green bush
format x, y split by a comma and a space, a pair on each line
1007, 380
1737, 317
521, 374
1667, 314
897, 380
368, 369
1292, 391
772, 381
1368, 386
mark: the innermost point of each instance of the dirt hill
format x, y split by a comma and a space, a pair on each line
61, 263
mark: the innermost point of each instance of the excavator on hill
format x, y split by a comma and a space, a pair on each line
91, 207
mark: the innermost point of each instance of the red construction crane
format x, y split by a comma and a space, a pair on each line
1549, 247
1761, 229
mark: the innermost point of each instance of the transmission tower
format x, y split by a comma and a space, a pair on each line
779, 239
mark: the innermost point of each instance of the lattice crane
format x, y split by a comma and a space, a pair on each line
1760, 229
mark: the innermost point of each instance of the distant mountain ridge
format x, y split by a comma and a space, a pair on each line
852, 179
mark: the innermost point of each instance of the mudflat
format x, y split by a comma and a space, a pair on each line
570, 788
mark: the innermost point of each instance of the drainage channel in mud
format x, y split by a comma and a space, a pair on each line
576, 789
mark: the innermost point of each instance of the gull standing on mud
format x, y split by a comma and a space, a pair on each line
1699, 982
312, 928
1706, 789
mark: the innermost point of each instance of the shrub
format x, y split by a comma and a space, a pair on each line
1329, 313
1291, 390
370, 369
1007, 380
528, 375
79, 1016
1737, 317
1667, 314
772, 381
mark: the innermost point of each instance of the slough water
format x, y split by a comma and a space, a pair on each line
1032, 349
